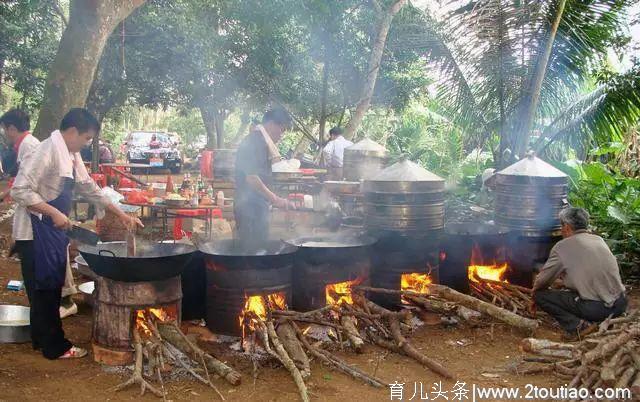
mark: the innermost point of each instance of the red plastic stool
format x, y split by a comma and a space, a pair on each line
100, 179
216, 213
297, 199
178, 233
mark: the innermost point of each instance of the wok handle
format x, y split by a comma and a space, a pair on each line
106, 251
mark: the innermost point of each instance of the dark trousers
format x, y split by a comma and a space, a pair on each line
252, 225
46, 326
569, 309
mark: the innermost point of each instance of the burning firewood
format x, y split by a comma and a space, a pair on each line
154, 338
257, 318
610, 357
394, 319
137, 377
445, 293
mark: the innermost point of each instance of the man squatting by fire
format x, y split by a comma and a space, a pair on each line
256, 153
43, 187
589, 272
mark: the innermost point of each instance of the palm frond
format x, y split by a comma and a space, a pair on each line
603, 115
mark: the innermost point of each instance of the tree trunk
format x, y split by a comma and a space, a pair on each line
374, 66
1, 83
530, 99
323, 98
213, 120
71, 74
219, 118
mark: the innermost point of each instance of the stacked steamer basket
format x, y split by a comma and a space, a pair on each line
363, 160
404, 207
529, 196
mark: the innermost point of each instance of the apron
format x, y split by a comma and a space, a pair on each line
50, 244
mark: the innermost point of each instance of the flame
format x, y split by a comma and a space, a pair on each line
416, 282
491, 272
339, 293
162, 314
481, 269
258, 305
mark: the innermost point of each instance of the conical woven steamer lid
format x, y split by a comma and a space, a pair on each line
532, 166
367, 147
404, 176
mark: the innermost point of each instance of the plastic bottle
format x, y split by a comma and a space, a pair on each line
220, 199
169, 188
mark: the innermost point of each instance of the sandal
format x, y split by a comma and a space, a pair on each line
74, 353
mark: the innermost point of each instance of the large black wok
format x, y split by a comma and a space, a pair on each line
153, 262
228, 253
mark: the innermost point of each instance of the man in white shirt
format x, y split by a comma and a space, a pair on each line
43, 186
334, 153
15, 125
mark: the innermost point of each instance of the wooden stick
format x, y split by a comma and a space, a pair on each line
137, 377
287, 362
605, 348
349, 324
608, 372
337, 363
171, 333
627, 375
408, 349
287, 335
484, 307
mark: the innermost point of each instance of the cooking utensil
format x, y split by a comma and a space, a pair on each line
342, 187
153, 262
14, 324
83, 235
83, 268
87, 289
337, 241
175, 203
284, 176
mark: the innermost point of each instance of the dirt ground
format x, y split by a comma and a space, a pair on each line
480, 356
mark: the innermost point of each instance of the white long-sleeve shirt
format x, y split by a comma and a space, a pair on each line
20, 217
41, 179
334, 151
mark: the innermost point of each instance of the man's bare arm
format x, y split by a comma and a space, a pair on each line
255, 182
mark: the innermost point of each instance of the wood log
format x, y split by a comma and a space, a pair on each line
287, 335
608, 372
473, 303
625, 378
137, 377
171, 333
338, 363
546, 347
287, 362
605, 348
635, 386
350, 326
431, 305
394, 319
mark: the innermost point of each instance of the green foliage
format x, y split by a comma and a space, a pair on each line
486, 51
31, 30
613, 202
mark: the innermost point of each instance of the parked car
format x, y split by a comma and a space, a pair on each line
153, 148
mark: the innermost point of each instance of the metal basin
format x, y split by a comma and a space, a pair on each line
14, 324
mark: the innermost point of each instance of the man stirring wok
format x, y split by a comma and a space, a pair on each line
44, 187
256, 153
